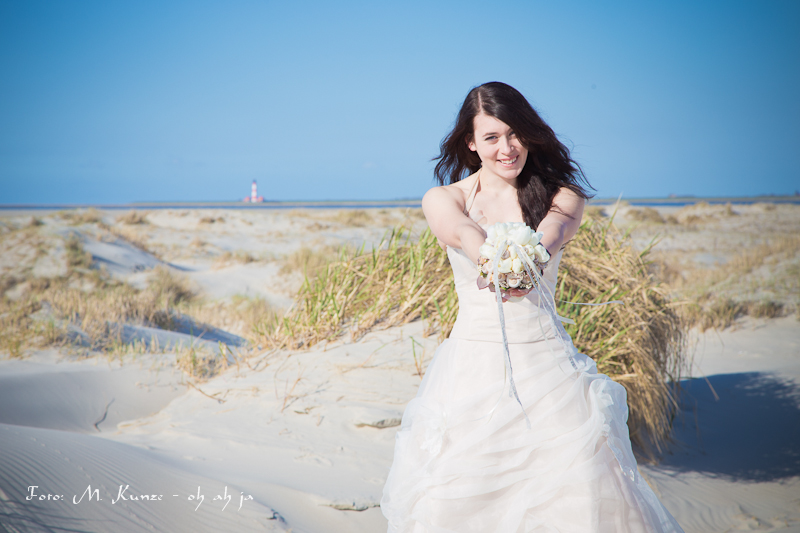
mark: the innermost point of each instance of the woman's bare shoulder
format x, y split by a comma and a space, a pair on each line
456, 192
445, 193
568, 202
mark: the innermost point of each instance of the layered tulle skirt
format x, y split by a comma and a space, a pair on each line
466, 461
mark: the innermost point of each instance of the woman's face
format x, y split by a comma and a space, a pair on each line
497, 145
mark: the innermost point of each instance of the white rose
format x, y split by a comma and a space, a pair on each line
487, 250
541, 253
504, 266
521, 234
491, 233
512, 252
536, 238
516, 265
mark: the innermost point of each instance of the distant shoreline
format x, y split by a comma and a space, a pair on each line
677, 201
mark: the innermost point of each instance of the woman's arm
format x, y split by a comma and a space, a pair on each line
446, 218
562, 222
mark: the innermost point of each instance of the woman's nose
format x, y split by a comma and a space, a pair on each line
505, 145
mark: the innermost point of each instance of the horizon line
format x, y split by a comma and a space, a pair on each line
405, 202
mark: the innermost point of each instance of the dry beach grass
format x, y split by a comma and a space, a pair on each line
754, 256
400, 280
641, 344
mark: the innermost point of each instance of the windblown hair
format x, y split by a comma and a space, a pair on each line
549, 166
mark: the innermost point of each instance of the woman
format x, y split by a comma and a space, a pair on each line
465, 458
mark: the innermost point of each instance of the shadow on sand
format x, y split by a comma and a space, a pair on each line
740, 426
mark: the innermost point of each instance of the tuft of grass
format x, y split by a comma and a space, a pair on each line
7, 283
641, 344
399, 281
99, 306
132, 217
703, 212
199, 362
240, 315
765, 309
594, 212
764, 206
414, 213
309, 261
133, 237
239, 256
82, 216
716, 313
358, 218
646, 214
212, 220
719, 313
717, 297
96, 304
85, 310
35, 222
170, 288
77, 257
16, 326
249, 312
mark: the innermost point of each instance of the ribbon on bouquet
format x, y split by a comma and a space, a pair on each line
549, 306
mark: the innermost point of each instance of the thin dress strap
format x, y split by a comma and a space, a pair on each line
472, 193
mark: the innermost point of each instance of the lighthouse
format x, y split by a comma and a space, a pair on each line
254, 197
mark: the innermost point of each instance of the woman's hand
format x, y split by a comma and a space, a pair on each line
511, 293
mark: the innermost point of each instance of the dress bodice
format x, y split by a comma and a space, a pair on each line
478, 318
477, 308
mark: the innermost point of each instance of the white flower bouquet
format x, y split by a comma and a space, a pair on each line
510, 246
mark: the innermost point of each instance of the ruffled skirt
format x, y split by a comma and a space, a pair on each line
465, 460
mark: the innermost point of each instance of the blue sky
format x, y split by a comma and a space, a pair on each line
114, 102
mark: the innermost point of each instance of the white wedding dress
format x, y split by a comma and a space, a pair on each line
465, 459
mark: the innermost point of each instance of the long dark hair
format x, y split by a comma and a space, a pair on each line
549, 166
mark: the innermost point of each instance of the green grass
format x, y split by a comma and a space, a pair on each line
400, 280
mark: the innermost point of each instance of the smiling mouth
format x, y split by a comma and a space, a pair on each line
508, 162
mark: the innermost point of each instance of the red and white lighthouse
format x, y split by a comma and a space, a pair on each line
254, 197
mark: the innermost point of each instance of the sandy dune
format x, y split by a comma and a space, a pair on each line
736, 462
89, 396
308, 450
70, 466
310, 435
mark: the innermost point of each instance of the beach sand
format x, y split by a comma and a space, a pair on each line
303, 441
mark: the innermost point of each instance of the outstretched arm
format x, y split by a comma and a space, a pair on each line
445, 214
562, 222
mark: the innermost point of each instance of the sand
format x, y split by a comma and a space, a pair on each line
309, 435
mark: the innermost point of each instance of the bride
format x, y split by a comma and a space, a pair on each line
465, 458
